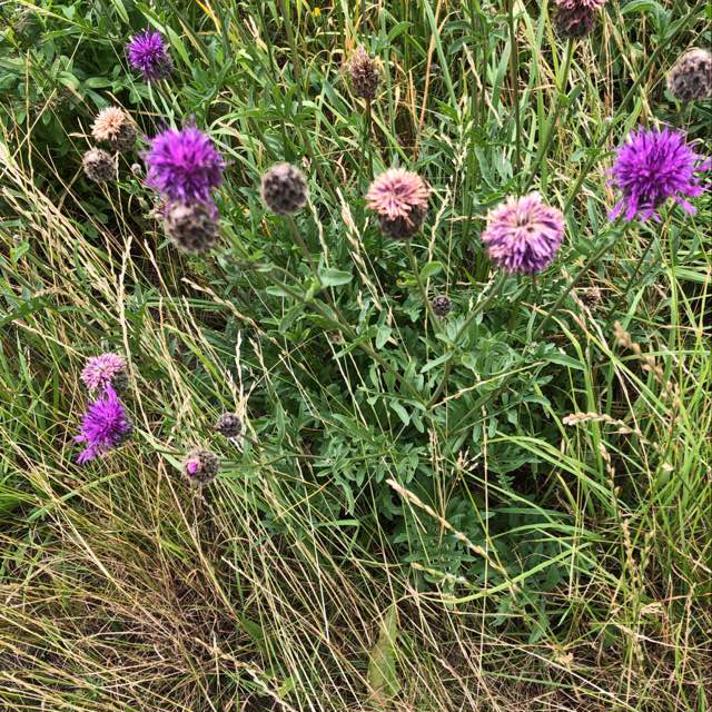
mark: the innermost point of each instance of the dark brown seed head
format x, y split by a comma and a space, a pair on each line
441, 305
690, 78
99, 165
574, 22
229, 425
364, 73
403, 228
284, 189
192, 228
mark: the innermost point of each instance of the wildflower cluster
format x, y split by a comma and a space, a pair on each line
114, 128
184, 166
523, 234
105, 424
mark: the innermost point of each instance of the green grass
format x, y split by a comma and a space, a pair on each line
505, 510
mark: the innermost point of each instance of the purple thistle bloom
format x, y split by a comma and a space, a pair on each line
148, 54
184, 165
100, 371
523, 234
652, 166
104, 426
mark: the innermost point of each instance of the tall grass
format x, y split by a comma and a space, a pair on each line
557, 556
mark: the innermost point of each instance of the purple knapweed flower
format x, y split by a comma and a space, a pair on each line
523, 234
104, 426
184, 165
652, 166
101, 371
148, 54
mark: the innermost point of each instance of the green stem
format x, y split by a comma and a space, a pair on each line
299, 240
514, 78
551, 121
493, 293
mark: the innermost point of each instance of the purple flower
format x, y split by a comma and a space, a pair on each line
147, 53
523, 234
104, 426
652, 166
184, 165
101, 371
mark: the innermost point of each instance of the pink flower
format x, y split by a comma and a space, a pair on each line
401, 200
101, 371
395, 193
523, 234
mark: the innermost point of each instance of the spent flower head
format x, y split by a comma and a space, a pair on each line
574, 4
147, 53
103, 370
99, 165
201, 466
104, 426
113, 126
192, 227
229, 425
523, 234
690, 78
652, 166
184, 165
365, 74
400, 198
284, 189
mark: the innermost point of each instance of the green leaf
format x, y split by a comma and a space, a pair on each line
382, 335
430, 268
334, 277
400, 411
382, 674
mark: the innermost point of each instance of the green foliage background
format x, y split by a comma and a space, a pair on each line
400, 472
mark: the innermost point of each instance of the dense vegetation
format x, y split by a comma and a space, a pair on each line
507, 507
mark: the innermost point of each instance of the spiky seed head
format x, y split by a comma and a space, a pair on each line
284, 189
99, 165
229, 425
441, 305
192, 227
365, 74
574, 22
113, 126
201, 466
690, 78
